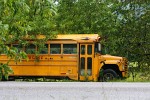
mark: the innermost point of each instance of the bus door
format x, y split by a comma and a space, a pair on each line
86, 61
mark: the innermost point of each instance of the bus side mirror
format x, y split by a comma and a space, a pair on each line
99, 47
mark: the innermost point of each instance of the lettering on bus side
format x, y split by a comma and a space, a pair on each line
31, 57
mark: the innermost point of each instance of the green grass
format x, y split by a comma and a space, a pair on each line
136, 75
45, 80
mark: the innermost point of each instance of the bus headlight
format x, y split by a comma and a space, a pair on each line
123, 67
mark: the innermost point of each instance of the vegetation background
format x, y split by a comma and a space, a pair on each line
124, 26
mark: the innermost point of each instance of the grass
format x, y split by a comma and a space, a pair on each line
137, 75
42, 79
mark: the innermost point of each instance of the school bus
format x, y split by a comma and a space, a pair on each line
76, 56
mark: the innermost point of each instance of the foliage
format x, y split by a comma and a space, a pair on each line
22, 18
133, 39
84, 16
123, 25
5, 70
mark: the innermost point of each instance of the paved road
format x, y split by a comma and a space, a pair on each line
74, 91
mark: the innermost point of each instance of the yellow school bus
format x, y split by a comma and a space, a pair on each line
76, 56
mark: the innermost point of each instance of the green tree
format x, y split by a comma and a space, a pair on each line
21, 18
132, 38
85, 16
123, 25
134, 32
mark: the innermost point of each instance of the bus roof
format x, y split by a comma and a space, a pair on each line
78, 36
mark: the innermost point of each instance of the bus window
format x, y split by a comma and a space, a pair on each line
55, 49
70, 49
89, 66
82, 49
18, 47
30, 49
89, 50
82, 66
44, 50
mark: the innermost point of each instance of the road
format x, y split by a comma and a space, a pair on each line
74, 91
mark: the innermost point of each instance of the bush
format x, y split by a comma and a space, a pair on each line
5, 70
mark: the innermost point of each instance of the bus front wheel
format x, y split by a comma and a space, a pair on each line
109, 75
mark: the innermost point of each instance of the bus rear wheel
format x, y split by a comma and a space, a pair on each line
109, 75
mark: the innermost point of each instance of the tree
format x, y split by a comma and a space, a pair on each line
84, 16
21, 18
123, 25
134, 32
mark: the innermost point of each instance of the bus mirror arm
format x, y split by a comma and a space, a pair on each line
103, 62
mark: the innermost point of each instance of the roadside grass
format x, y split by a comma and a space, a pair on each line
139, 77
43, 79
136, 74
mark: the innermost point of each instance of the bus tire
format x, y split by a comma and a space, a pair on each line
11, 78
109, 75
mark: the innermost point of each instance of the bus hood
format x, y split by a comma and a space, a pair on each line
122, 62
109, 59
